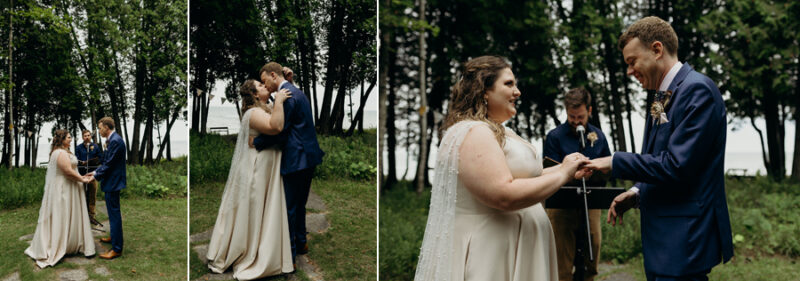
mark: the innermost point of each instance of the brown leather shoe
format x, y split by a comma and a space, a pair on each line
105, 239
110, 255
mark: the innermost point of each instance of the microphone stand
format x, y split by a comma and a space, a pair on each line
580, 267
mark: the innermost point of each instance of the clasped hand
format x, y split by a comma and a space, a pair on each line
88, 178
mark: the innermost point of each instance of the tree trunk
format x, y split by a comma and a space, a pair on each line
774, 141
359, 117
628, 107
10, 94
763, 148
333, 72
422, 165
122, 107
796, 156
383, 74
165, 141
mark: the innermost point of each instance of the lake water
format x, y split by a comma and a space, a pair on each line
226, 116
179, 136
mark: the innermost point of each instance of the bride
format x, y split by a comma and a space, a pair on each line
63, 225
251, 232
486, 220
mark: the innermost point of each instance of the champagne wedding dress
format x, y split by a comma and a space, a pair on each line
252, 232
483, 243
63, 225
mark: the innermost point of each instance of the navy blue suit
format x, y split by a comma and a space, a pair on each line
684, 214
301, 154
111, 173
82, 153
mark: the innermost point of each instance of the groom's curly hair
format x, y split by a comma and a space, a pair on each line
466, 100
649, 30
272, 67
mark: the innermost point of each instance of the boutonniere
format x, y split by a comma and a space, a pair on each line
660, 102
91, 147
592, 136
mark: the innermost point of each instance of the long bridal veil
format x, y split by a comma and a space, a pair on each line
436, 254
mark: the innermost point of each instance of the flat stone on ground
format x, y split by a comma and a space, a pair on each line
201, 251
315, 202
216, 277
73, 275
102, 270
317, 223
606, 267
78, 259
202, 236
100, 207
622, 276
12, 277
26, 237
307, 266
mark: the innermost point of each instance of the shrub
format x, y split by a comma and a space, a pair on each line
24, 186
354, 156
403, 216
21, 186
210, 157
158, 180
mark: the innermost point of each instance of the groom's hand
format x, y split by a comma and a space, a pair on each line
250, 142
620, 205
602, 164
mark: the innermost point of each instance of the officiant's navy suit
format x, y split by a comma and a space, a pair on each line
301, 154
111, 174
684, 214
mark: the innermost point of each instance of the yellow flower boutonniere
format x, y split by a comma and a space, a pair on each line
91, 147
592, 138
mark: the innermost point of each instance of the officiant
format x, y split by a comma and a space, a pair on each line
89, 155
558, 143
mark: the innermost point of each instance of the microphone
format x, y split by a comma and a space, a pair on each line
581, 130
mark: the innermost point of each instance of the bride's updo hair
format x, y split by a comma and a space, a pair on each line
248, 92
58, 140
467, 100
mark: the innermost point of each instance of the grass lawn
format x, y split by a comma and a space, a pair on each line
749, 268
155, 243
346, 251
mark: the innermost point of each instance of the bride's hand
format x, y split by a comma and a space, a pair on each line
583, 173
572, 162
250, 142
281, 95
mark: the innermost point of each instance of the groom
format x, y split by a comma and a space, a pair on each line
112, 174
680, 187
301, 152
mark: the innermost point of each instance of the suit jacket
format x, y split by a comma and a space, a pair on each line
684, 214
562, 141
112, 168
93, 153
298, 137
